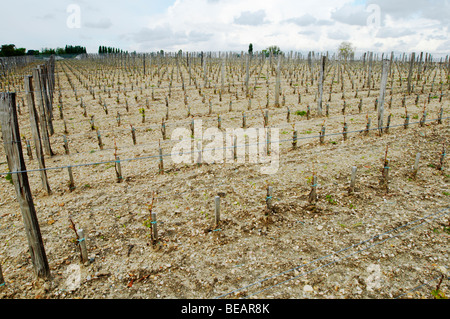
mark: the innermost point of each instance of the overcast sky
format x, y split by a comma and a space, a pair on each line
229, 25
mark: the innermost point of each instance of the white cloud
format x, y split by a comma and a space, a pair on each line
251, 18
230, 25
104, 23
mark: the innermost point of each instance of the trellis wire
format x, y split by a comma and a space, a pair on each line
203, 150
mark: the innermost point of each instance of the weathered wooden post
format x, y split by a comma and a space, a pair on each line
322, 134
353, 179
118, 168
345, 130
99, 138
442, 159
384, 182
380, 105
313, 193
43, 114
322, 72
34, 123
217, 210
82, 243
161, 162
2, 280
66, 145
369, 121
154, 227
416, 165
163, 129
269, 197
71, 181
16, 165
424, 117
441, 113
294, 139
388, 123
411, 66
277, 84
133, 134
48, 105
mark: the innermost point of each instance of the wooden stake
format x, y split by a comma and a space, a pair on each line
217, 210
133, 134
2, 280
345, 130
154, 227
388, 123
82, 242
416, 165
43, 114
322, 134
294, 140
16, 165
442, 159
353, 179
269, 197
161, 163
441, 112
313, 193
71, 181
66, 145
99, 138
118, 170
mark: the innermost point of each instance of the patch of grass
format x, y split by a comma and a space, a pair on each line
300, 113
330, 199
8, 177
446, 193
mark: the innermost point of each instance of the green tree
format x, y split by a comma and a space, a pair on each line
346, 50
8, 50
275, 50
250, 49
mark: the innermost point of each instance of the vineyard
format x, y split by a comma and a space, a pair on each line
358, 206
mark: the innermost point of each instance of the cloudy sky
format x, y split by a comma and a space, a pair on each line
229, 25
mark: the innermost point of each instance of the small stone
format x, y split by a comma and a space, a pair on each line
320, 227
308, 288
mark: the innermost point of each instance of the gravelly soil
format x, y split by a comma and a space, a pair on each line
370, 244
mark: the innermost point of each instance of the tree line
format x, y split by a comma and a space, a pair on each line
8, 50
105, 49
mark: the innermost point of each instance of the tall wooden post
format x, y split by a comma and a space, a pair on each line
322, 73
380, 105
411, 66
43, 114
278, 84
46, 98
16, 164
34, 123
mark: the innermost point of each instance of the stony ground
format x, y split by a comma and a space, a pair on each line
373, 243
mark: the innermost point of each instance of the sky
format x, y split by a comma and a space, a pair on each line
229, 25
